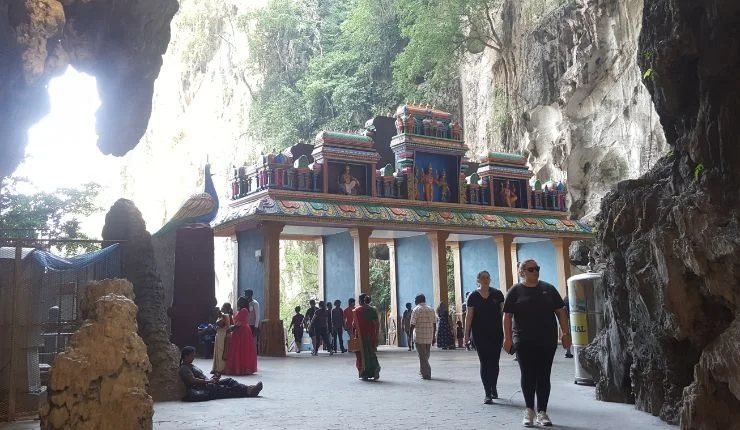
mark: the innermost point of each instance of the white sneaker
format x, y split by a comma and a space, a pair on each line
543, 419
528, 417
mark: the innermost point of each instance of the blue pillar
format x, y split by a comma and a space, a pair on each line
339, 268
544, 253
477, 255
251, 272
413, 273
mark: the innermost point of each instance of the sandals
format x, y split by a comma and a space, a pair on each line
254, 390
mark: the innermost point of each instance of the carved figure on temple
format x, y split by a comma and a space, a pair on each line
399, 125
444, 187
441, 129
427, 125
427, 182
456, 131
348, 184
509, 194
413, 192
410, 124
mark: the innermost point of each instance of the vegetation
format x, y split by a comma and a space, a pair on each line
57, 214
301, 271
334, 64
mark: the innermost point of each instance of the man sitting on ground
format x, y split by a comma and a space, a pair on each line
201, 388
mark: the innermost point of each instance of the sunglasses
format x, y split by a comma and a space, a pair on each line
533, 269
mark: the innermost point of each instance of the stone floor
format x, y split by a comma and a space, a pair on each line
323, 392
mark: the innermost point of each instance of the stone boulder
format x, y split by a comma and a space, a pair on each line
670, 240
100, 380
125, 223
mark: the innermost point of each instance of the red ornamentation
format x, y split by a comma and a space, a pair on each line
568, 223
447, 215
490, 218
531, 221
347, 208
290, 204
398, 211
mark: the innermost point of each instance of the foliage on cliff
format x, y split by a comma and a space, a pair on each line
334, 64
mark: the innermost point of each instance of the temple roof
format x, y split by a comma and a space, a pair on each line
297, 209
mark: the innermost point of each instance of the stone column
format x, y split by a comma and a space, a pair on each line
439, 266
503, 250
457, 269
394, 291
514, 263
562, 262
272, 339
320, 269
360, 237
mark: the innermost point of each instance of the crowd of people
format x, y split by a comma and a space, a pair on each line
522, 323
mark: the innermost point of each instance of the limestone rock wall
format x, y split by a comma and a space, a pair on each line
119, 42
124, 222
670, 240
100, 380
575, 105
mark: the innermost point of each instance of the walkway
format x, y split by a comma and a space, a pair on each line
324, 393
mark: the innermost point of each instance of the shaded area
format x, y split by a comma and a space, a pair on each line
670, 240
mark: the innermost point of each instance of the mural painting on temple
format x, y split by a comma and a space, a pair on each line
428, 165
349, 179
510, 192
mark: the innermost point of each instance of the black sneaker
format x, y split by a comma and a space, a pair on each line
488, 400
494, 394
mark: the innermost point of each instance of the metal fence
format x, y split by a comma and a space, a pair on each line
39, 311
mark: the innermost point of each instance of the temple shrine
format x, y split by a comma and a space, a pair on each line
404, 182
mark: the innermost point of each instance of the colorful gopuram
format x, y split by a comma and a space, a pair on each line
406, 182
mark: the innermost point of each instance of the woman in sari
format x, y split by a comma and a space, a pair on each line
242, 351
444, 335
366, 326
220, 350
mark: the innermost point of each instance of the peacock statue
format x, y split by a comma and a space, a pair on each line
198, 208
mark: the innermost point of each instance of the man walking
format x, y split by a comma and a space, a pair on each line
254, 316
424, 327
337, 321
309, 317
406, 326
320, 326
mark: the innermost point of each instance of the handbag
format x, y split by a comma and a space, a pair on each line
353, 345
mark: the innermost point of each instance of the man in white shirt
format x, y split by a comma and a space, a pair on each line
424, 326
254, 316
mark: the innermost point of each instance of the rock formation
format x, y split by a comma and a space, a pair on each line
576, 105
100, 380
119, 42
124, 222
670, 240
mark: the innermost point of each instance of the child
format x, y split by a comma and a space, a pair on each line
460, 334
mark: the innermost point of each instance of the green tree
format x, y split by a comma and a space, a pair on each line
57, 214
380, 284
301, 271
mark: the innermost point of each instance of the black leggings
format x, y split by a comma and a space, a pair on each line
535, 364
489, 353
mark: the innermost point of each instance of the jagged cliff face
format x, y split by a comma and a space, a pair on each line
670, 240
119, 42
578, 107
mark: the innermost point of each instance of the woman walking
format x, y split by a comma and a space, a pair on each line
444, 330
242, 351
220, 348
366, 326
483, 319
532, 305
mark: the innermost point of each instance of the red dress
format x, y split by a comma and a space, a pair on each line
242, 351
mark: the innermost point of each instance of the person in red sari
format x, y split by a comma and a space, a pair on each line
242, 351
366, 326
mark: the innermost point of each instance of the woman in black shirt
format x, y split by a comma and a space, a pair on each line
484, 319
532, 305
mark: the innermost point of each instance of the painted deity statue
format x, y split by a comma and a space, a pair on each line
413, 192
427, 182
509, 194
348, 184
444, 187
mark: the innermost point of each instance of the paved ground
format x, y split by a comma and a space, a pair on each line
324, 393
